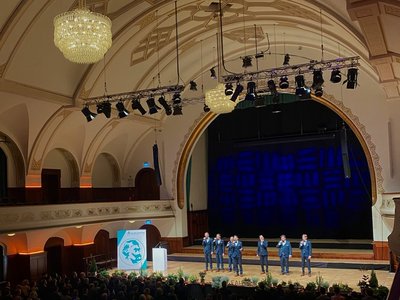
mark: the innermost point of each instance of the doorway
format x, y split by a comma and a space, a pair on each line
51, 184
54, 248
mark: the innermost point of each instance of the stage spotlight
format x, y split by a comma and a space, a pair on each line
272, 87
237, 92
136, 105
228, 89
206, 108
213, 75
301, 90
193, 85
247, 62
122, 111
336, 77
284, 82
177, 104
318, 81
88, 114
151, 103
286, 59
104, 108
167, 107
251, 91
352, 75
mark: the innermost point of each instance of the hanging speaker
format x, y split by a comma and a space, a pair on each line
345, 153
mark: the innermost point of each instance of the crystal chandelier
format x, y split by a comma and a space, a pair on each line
218, 102
81, 35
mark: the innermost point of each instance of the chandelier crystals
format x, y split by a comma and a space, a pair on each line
81, 35
218, 102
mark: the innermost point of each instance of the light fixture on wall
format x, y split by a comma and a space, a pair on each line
81, 35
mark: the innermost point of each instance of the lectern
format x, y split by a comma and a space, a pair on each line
159, 260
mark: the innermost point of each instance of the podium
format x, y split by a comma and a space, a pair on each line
159, 260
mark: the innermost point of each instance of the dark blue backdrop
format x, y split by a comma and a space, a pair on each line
288, 188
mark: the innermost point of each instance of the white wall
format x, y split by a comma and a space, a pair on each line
55, 159
199, 175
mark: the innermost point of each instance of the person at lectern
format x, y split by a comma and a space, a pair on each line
230, 245
207, 247
237, 256
306, 252
219, 249
262, 253
285, 252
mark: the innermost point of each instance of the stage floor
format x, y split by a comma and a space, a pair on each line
331, 275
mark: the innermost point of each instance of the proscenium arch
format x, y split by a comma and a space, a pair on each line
209, 117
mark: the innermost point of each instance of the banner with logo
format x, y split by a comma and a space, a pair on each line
131, 249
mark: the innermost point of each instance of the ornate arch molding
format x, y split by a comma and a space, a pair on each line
12, 152
200, 124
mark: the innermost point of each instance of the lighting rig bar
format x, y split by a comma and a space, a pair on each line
288, 70
164, 90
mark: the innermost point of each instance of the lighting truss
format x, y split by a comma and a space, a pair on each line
164, 90
293, 70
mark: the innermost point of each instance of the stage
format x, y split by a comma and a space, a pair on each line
331, 275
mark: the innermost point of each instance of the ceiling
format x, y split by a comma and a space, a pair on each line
144, 42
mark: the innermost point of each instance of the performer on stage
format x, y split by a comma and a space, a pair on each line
285, 252
237, 256
207, 247
219, 248
306, 252
262, 253
230, 245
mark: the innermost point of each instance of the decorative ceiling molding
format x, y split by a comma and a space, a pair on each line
369, 14
243, 35
16, 88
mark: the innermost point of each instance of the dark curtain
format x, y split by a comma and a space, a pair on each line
3, 174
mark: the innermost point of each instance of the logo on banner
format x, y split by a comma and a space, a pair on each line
132, 252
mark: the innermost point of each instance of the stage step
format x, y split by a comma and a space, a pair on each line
339, 263
360, 254
317, 243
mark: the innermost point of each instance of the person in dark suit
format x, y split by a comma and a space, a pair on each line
219, 248
237, 256
230, 245
207, 248
306, 252
285, 252
262, 253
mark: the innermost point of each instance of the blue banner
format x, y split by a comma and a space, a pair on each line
131, 249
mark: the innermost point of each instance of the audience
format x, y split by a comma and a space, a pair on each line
122, 287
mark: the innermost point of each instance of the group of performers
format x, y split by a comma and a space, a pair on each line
235, 249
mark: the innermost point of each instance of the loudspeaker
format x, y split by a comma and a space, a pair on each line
345, 153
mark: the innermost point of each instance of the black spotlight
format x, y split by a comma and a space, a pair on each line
247, 62
136, 105
206, 108
352, 75
228, 89
239, 89
122, 111
251, 91
151, 103
272, 87
336, 77
177, 104
164, 104
286, 59
284, 82
301, 90
193, 85
104, 108
88, 114
318, 81
213, 75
